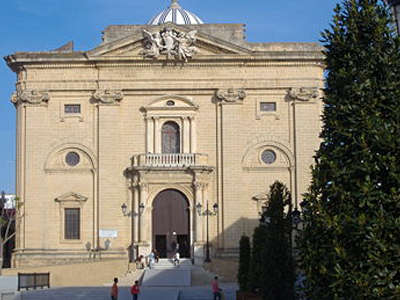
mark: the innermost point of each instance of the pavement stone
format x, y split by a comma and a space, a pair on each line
147, 293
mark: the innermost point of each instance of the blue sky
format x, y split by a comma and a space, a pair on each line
40, 25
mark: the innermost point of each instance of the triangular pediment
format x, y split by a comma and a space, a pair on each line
71, 197
134, 45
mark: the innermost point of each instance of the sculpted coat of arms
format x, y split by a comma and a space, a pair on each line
169, 42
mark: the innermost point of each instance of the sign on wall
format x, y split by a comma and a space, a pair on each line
107, 233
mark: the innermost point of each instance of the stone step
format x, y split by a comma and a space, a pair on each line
205, 293
167, 278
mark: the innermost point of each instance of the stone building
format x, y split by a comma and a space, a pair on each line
121, 148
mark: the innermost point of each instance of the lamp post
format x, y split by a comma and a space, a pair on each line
127, 213
207, 213
132, 214
395, 4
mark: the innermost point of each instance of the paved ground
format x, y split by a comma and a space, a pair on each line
102, 293
163, 282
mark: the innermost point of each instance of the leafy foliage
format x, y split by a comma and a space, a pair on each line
350, 247
279, 277
257, 270
244, 263
272, 270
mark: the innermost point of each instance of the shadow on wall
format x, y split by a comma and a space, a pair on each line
227, 243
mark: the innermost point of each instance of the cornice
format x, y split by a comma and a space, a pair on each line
191, 64
81, 61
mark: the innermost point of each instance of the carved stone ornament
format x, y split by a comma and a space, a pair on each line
303, 94
71, 197
231, 95
108, 96
171, 43
33, 97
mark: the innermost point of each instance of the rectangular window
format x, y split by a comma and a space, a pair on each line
268, 106
72, 224
72, 108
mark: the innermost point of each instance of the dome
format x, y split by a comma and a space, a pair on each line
175, 14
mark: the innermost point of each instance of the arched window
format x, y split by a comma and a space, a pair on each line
171, 141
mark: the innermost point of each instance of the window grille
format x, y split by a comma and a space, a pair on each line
72, 108
72, 223
267, 106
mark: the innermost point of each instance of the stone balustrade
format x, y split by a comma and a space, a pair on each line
170, 160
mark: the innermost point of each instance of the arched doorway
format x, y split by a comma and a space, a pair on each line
171, 224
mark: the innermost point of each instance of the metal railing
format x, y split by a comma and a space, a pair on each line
33, 280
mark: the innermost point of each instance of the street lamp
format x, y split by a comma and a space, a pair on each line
207, 213
127, 213
124, 208
395, 4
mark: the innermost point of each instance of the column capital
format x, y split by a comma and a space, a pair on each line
230, 96
303, 94
198, 186
143, 186
108, 97
32, 97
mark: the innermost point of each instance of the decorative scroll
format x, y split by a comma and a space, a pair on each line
303, 94
33, 97
231, 95
175, 45
108, 96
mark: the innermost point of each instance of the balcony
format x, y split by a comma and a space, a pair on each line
170, 160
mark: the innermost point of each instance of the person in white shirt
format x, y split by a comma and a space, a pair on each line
176, 259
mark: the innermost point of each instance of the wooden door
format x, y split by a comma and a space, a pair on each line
171, 219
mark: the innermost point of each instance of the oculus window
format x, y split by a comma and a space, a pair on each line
268, 157
72, 159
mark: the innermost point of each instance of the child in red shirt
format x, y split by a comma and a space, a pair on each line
135, 291
215, 289
114, 290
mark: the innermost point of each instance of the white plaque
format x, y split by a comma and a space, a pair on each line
106, 233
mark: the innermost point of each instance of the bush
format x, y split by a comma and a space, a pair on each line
244, 263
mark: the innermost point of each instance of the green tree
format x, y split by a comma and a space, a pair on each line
257, 271
350, 246
278, 276
244, 263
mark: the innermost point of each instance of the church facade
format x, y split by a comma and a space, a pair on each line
126, 147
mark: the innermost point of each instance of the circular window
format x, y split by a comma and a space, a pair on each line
72, 159
170, 103
268, 157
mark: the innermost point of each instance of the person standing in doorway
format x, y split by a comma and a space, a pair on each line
114, 290
135, 291
215, 288
152, 259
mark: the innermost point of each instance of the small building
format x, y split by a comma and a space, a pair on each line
121, 148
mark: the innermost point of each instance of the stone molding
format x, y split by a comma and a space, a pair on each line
230, 96
32, 97
303, 94
108, 97
71, 197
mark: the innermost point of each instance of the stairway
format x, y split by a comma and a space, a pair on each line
165, 274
